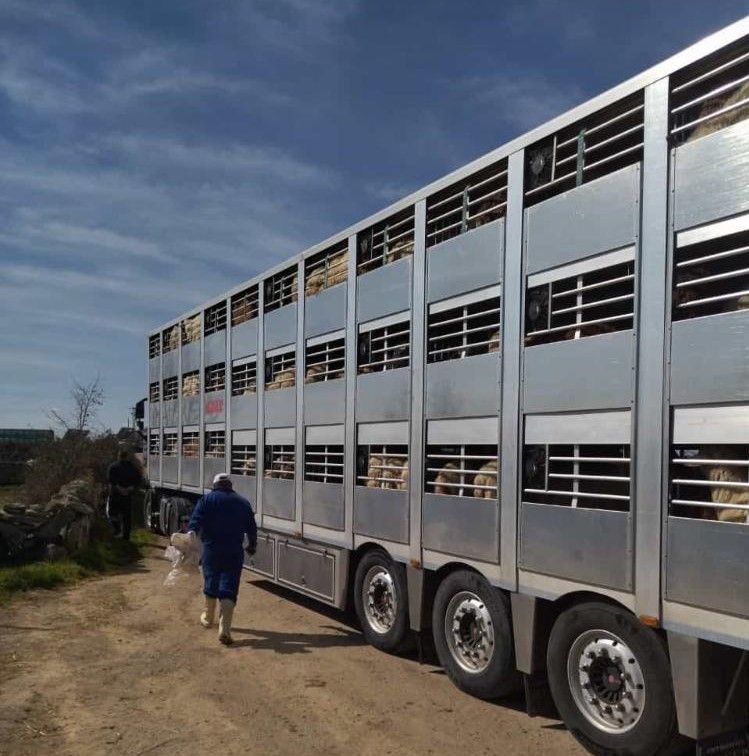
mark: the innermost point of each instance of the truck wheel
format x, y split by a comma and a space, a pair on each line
381, 601
179, 511
165, 508
148, 518
610, 679
473, 635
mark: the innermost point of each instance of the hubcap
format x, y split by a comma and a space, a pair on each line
380, 599
606, 681
469, 632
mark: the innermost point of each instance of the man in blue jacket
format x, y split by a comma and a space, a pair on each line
223, 518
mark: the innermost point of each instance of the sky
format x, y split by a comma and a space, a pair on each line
155, 154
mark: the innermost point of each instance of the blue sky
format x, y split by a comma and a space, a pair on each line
153, 154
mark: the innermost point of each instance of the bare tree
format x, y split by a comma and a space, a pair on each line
86, 399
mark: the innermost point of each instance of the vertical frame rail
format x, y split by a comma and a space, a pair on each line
650, 414
301, 368
352, 340
416, 441
509, 409
260, 393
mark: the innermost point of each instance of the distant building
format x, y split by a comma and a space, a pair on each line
17, 447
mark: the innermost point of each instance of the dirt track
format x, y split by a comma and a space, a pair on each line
120, 665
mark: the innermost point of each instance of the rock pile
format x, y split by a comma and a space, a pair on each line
65, 520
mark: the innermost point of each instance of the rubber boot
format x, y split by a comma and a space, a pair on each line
206, 618
224, 621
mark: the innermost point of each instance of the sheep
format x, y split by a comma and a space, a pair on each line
582, 330
718, 473
337, 268
283, 379
486, 476
249, 467
493, 345
172, 339
447, 479
400, 249
190, 385
314, 374
191, 329
482, 216
721, 121
374, 471
400, 477
315, 282
190, 448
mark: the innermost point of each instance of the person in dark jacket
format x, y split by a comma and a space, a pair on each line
124, 477
223, 518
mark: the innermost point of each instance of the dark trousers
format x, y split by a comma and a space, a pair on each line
120, 508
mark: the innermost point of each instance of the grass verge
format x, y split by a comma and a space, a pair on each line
97, 558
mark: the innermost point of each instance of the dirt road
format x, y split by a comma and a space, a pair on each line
120, 665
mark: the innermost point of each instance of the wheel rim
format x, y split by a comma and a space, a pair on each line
380, 599
469, 632
606, 681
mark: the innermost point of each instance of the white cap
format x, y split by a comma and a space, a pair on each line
221, 478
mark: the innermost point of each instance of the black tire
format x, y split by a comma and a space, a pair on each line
653, 724
496, 676
148, 519
165, 508
181, 508
391, 577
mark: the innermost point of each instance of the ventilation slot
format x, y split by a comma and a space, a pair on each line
215, 377
281, 289
244, 378
171, 444
171, 388
325, 361
324, 463
326, 269
215, 444
463, 331
473, 202
191, 384
154, 445
382, 466
154, 346
279, 461
462, 470
711, 277
384, 348
170, 339
191, 330
711, 482
589, 304
280, 370
244, 460
710, 94
191, 444
583, 476
153, 392
244, 306
596, 146
385, 242
215, 318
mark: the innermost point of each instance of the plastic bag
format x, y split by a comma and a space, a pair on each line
184, 553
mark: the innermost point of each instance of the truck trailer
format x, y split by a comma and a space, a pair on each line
512, 410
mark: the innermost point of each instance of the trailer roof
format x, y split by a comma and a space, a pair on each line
676, 62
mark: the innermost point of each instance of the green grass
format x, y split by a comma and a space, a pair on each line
97, 558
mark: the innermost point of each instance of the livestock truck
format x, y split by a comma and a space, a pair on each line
512, 410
